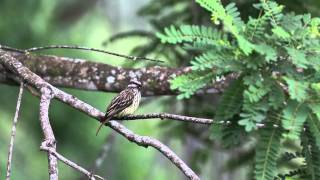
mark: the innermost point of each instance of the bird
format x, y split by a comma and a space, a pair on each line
125, 103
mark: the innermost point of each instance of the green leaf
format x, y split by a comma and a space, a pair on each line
245, 45
253, 113
298, 57
231, 101
294, 116
280, 32
232, 135
297, 89
189, 83
214, 59
257, 87
314, 126
315, 108
211, 5
191, 33
269, 52
276, 96
312, 155
248, 121
267, 153
272, 10
231, 20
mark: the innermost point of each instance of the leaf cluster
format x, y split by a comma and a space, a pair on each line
276, 57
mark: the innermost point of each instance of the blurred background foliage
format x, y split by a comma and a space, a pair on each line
120, 26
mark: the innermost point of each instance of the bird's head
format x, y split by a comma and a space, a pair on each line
135, 84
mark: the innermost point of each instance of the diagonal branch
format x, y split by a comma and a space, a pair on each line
20, 70
66, 161
13, 132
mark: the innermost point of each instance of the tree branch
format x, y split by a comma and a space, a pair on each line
13, 132
49, 139
82, 74
17, 67
167, 116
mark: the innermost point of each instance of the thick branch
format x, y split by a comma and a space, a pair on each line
82, 74
13, 132
15, 66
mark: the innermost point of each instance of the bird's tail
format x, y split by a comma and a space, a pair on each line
103, 121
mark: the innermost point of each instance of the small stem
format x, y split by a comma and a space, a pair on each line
13, 132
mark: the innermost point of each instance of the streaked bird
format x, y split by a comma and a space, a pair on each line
125, 103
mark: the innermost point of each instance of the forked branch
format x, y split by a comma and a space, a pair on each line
20, 70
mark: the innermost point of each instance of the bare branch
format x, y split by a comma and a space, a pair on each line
49, 139
134, 58
13, 132
66, 161
167, 116
15, 66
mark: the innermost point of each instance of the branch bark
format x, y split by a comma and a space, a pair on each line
83, 74
49, 139
20, 70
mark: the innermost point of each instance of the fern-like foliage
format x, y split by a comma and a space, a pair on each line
314, 126
294, 116
193, 33
312, 155
189, 83
267, 153
231, 100
275, 57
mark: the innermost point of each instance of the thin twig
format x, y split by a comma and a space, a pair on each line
167, 116
49, 139
33, 49
7, 48
13, 132
134, 58
70, 163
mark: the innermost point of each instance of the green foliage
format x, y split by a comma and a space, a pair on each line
189, 83
275, 57
294, 116
267, 153
231, 100
192, 33
314, 126
312, 155
297, 89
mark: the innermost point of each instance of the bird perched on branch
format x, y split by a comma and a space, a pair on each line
125, 103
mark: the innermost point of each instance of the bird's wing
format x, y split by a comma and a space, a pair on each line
118, 103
